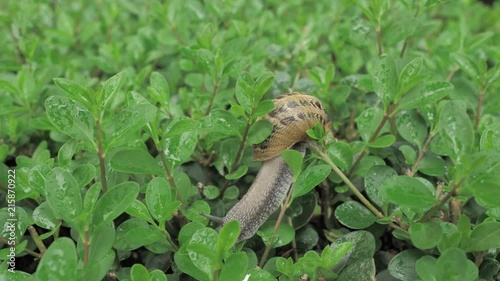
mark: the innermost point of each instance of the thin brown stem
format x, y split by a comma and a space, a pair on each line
351, 186
101, 157
379, 41
26, 250
214, 92
403, 49
421, 154
172, 243
478, 110
294, 243
427, 216
36, 239
325, 202
452, 72
86, 248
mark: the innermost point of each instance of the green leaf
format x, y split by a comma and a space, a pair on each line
44, 217
224, 122
179, 149
135, 233
490, 138
114, 202
139, 273
483, 237
244, 91
409, 75
228, 236
456, 130
453, 265
259, 131
59, 262
63, 195
331, 256
409, 154
368, 121
182, 126
432, 166
383, 141
129, 120
238, 173
354, 215
159, 87
402, 266
426, 235
262, 84
341, 154
374, 178
263, 108
309, 178
136, 162
293, 159
426, 268
111, 87
73, 89
283, 235
412, 127
493, 74
234, 268
159, 199
139, 210
72, 118
203, 257
257, 274
467, 65
484, 179
66, 153
385, 80
102, 240
429, 93
407, 192
211, 192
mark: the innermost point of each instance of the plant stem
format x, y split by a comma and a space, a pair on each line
86, 248
379, 40
101, 157
479, 108
214, 92
351, 186
283, 209
421, 154
36, 239
239, 153
294, 243
169, 239
452, 72
169, 174
441, 202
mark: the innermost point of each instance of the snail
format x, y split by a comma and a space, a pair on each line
292, 116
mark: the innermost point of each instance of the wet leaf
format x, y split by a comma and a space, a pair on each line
354, 215
59, 262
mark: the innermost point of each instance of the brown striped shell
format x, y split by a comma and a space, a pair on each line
292, 116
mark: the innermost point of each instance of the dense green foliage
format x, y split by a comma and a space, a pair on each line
121, 121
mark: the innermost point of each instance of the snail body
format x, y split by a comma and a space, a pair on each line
292, 116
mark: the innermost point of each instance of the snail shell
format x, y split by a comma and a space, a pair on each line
292, 116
